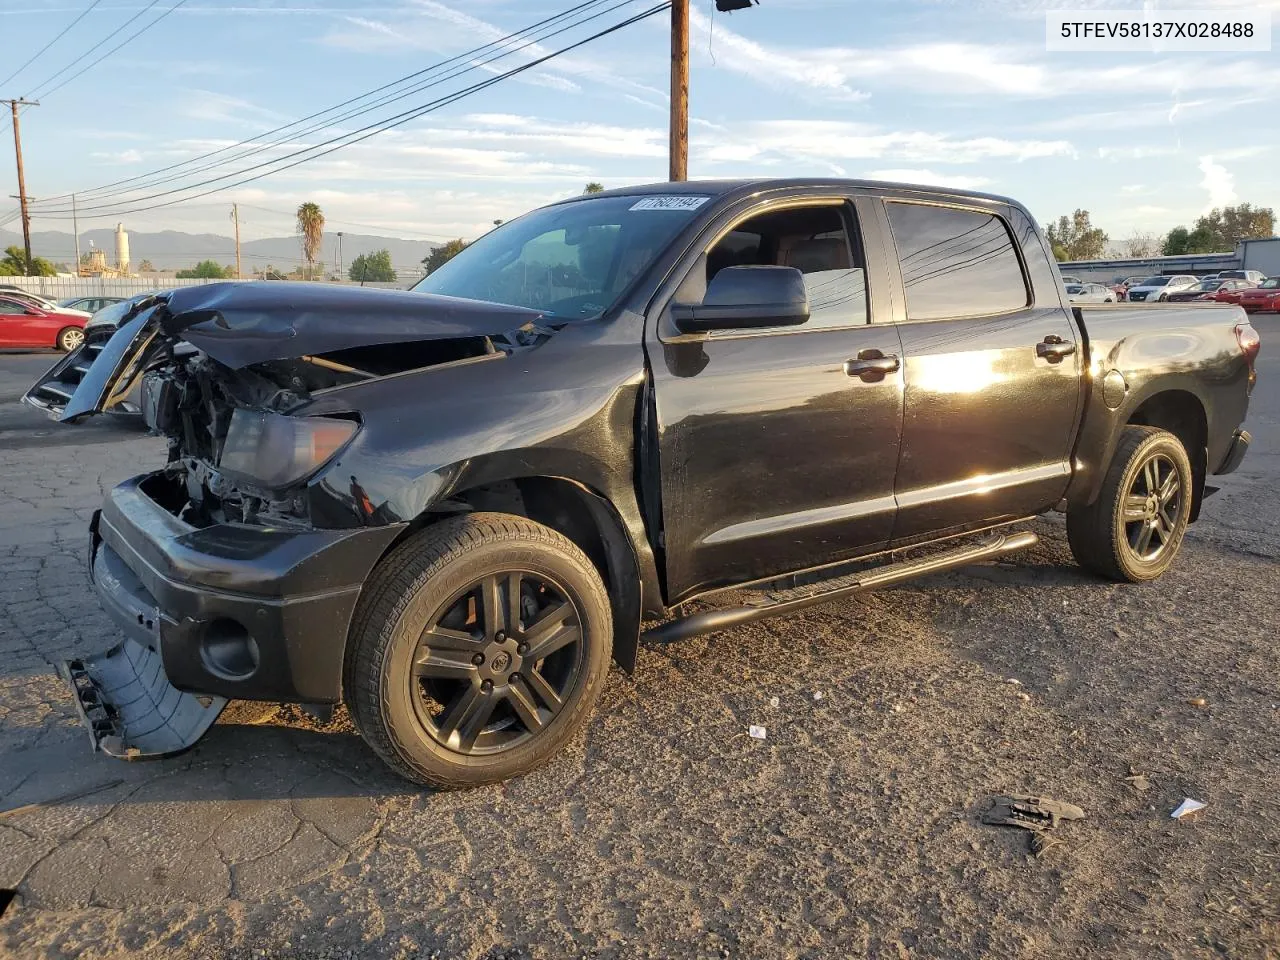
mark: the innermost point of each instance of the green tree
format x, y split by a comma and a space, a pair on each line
1241, 222
593, 187
375, 267
205, 270
14, 264
146, 267
442, 254
1182, 242
1075, 238
311, 230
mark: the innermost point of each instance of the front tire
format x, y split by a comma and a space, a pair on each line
1132, 532
477, 650
70, 338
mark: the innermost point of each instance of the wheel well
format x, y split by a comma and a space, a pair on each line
1182, 414
582, 515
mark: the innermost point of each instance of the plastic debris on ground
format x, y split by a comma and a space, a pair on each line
757, 733
1038, 815
1187, 807
817, 695
773, 702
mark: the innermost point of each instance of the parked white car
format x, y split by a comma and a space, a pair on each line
1159, 288
1090, 293
1256, 276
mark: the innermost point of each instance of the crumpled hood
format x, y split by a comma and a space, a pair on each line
240, 324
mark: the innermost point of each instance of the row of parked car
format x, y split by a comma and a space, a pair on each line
1250, 289
32, 321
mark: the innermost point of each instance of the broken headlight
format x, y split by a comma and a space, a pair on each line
274, 451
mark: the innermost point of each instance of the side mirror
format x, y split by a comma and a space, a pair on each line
744, 298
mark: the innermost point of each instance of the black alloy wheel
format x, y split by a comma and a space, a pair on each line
1152, 508
497, 663
1133, 530
478, 650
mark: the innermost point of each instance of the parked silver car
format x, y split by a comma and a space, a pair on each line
1090, 293
1159, 288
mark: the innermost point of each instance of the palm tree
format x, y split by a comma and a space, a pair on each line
594, 187
311, 230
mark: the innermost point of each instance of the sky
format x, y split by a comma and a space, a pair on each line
942, 92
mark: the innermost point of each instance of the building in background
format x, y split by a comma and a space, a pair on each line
122, 250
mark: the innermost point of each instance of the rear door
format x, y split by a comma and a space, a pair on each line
992, 365
777, 450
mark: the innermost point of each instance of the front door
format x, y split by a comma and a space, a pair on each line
777, 448
19, 328
992, 376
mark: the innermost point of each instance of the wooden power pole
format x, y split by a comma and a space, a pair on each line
235, 215
679, 147
22, 182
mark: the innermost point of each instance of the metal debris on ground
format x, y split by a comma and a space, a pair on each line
1198, 702
757, 733
1039, 815
1187, 807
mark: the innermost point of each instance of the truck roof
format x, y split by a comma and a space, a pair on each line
721, 188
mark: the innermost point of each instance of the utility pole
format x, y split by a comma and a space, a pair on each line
235, 215
75, 227
339, 254
22, 183
679, 144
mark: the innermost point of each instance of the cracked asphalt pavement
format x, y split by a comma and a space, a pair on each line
665, 830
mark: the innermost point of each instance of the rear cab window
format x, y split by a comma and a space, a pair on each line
955, 262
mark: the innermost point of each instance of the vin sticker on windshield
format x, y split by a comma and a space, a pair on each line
669, 203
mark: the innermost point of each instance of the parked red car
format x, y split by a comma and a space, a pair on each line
1265, 296
25, 325
1221, 291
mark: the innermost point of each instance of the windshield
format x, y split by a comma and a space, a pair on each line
571, 260
1155, 282
1074, 288
1270, 284
1208, 285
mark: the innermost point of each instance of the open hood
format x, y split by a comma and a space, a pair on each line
242, 324
239, 324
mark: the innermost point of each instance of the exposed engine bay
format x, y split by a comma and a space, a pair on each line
194, 400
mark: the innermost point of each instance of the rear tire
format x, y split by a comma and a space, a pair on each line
70, 338
1132, 532
477, 651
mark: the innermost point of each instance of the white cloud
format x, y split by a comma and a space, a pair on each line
930, 178
1132, 188
773, 66
1135, 153
1218, 182
834, 141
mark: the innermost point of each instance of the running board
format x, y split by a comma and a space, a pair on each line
798, 598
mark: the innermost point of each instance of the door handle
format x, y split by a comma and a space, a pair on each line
871, 366
1053, 348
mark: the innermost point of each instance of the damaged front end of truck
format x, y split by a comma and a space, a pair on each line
227, 374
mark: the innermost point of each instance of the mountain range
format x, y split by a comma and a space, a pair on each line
173, 250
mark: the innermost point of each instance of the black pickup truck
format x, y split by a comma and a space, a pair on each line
451, 507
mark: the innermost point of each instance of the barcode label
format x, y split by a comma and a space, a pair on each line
669, 203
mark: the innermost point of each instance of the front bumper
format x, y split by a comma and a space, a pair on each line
1235, 452
232, 610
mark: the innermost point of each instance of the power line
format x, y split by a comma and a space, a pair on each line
35, 56
80, 59
133, 36
314, 152
255, 140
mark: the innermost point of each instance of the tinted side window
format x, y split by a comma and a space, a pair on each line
955, 263
817, 242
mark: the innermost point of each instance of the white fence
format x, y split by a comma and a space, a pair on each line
64, 288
